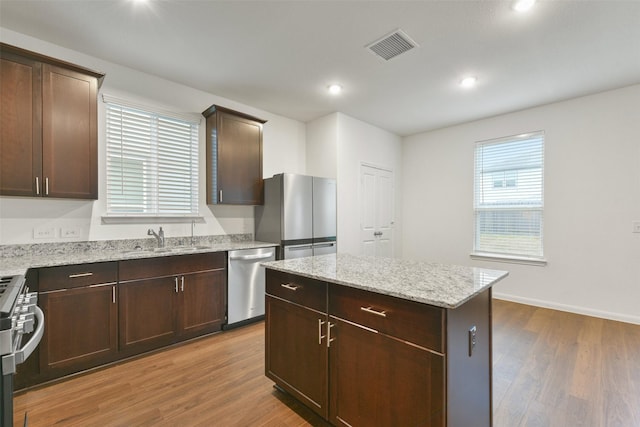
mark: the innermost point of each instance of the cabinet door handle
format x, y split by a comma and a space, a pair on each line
37, 185
370, 309
46, 186
320, 336
220, 198
290, 286
75, 276
113, 294
182, 283
176, 281
329, 339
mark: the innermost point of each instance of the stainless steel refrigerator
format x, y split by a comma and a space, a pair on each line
299, 214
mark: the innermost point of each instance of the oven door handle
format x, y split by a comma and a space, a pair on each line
26, 350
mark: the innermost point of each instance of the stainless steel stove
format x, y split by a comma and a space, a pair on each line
19, 316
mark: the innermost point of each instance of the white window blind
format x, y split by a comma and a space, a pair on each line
152, 163
508, 196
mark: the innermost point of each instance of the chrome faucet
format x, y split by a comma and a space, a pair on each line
193, 224
159, 236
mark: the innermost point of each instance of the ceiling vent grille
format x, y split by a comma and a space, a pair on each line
392, 45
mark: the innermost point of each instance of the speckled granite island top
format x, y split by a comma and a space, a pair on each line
442, 285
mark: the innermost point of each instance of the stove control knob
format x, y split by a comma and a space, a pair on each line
25, 323
24, 309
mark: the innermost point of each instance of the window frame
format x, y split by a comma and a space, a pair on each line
190, 161
503, 207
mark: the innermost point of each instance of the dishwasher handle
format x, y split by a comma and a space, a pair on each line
251, 257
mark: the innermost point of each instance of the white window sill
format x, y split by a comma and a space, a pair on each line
481, 256
150, 219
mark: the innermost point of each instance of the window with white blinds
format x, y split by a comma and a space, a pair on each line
508, 196
152, 163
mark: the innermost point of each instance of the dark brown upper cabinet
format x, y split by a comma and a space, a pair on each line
234, 157
49, 132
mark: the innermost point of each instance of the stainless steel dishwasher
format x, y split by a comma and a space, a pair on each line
246, 285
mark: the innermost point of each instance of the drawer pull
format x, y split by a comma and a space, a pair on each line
329, 339
370, 309
320, 336
74, 276
290, 286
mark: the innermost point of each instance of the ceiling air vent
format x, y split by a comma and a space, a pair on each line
392, 45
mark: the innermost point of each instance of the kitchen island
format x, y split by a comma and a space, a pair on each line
379, 342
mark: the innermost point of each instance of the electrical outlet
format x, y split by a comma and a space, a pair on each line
44, 233
472, 339
636, 226
69, 232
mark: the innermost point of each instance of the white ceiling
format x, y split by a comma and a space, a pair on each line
281, 55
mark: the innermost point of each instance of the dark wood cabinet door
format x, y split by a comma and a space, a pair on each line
81, 328
239, 160
234, 157
380, 381
203, 302
296, 352
69, 133
148, 313
20, 115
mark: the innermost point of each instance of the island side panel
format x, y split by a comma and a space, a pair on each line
469, 387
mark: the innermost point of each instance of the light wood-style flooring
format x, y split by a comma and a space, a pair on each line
550, 369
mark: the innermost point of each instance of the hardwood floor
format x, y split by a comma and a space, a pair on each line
550, 369
553, 368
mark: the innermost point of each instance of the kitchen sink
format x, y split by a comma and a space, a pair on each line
188, 248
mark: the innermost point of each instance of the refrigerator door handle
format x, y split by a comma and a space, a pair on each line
324, 245
299, 248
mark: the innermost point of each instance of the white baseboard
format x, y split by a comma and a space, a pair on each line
569, 308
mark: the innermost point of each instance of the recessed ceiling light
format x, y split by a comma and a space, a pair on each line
468, 82
334, 89
523, 5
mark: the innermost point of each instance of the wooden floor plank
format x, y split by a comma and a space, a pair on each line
550, 369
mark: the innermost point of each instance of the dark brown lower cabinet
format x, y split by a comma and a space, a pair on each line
377, 380
102, 312
81, 317
158, 312
378, 360
188, 300
147, 314
202, 303
81, 328
297, 352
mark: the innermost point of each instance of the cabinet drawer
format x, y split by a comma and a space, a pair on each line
74, 276
144, 268
300, 290
421, 324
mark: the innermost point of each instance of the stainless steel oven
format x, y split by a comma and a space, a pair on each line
20, 317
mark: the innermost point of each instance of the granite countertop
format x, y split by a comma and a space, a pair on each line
442, 285
17, 259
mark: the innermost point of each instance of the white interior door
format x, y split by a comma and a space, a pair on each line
376, 211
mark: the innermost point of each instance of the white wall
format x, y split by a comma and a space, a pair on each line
283, 144
592, 195
337, 145
359, 142
322, 146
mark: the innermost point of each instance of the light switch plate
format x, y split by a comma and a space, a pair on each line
636, 226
